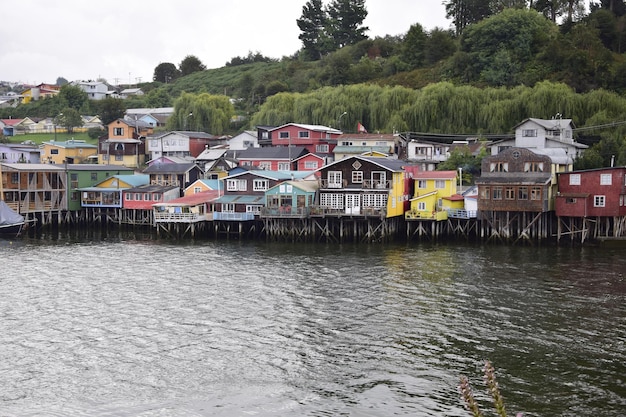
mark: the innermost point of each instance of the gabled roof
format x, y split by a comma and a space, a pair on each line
212, 184
172, 168
310, 155
395, 165
211, 154
315, 128
549, 124
305, 185
187, 133
132, 180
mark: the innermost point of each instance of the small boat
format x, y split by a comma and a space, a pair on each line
11, 223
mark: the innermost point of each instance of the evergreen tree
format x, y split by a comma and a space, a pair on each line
345, 22
191, 64
313, 24
465, 12
165, 72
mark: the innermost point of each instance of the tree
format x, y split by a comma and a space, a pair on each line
190, 64
440, 44
345, 22
61, 81
414, 45
165, 72
69, 119
111, 109
313, 23
202, 112
466, 12
72, 96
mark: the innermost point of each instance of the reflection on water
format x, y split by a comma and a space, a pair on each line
125, 326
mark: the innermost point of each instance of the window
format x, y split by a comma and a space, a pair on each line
529, 133
54, 151
333, 201
253, 209
129, 196
118, 131
321, 148
535, 193
74, 180
283, 166
197, 190
522, 193
283, 135
94, 176
346, 143
499, 167
259, 185
303, 135
440, 184
509, 193
621, 200
497, 193
228, 208
421, 184
156, 197
598, 200
485, 193
421, 206
606, 179
146, 197
533, 167
570, 200
236, 185
357, 177
310, 164
334, 179
119, 157
137, 196
574, 179
266, 165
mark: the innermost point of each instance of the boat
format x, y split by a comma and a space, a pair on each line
11, 223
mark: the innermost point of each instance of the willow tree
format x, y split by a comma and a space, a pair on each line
202, 112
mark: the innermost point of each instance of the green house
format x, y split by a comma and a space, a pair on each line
290, 199
87, 175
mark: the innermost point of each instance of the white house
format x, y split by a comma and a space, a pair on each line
244, 140
96, 90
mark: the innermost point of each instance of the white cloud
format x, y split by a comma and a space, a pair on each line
125, 40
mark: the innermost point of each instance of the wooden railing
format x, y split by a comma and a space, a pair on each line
285, 212
167, 217
233, 217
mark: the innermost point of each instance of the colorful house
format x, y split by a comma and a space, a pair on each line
202, 185
290, 199
86, 175
592, 202
273, 158
124, 143
108, 193
315, 138
309, 162
180, 175
190, 212
12, 153
364, 186
244, 193
70, 151
435, 194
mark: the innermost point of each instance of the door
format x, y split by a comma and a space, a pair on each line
353, 204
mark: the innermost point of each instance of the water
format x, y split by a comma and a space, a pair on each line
129, 326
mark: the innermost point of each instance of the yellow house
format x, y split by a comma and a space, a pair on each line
202, 185
70, 151
435, 193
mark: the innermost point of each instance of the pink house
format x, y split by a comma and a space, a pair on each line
315, 138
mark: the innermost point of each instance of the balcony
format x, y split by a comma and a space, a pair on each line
166, 217
285, 212
426, 215
233, 217
365, 185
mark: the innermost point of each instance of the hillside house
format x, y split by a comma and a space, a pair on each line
316, 139
69, 151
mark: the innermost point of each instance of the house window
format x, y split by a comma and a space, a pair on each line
119, 146
156, 197
522, 193
283, 135
509, 193
346, 143
379, 179
421, 184
283, 166
137, 196
529, 133
574, 179
497, 193
606, 179
236, 185
14, 177
485, 193
330, 200
570, 200
118, 131
197, 190
533, 167
321, 148
439, 184
621, 200
357, 177
129, 196
599, 201
94, 176
334, 179
310, 164
54, 151
228, 208
119, 157
535, 193
303, 135
259, 185
499, 167
73, 180
146, 197
253, 209
421, 206
265, 165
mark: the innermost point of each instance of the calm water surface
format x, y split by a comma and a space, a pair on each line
129, 326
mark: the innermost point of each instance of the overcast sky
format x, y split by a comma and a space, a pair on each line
124, 40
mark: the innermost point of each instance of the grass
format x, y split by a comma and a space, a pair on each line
39, 138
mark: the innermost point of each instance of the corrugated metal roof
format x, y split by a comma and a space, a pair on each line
241, 199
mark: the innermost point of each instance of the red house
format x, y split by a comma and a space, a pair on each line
309, 162
315, 138
592, 193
